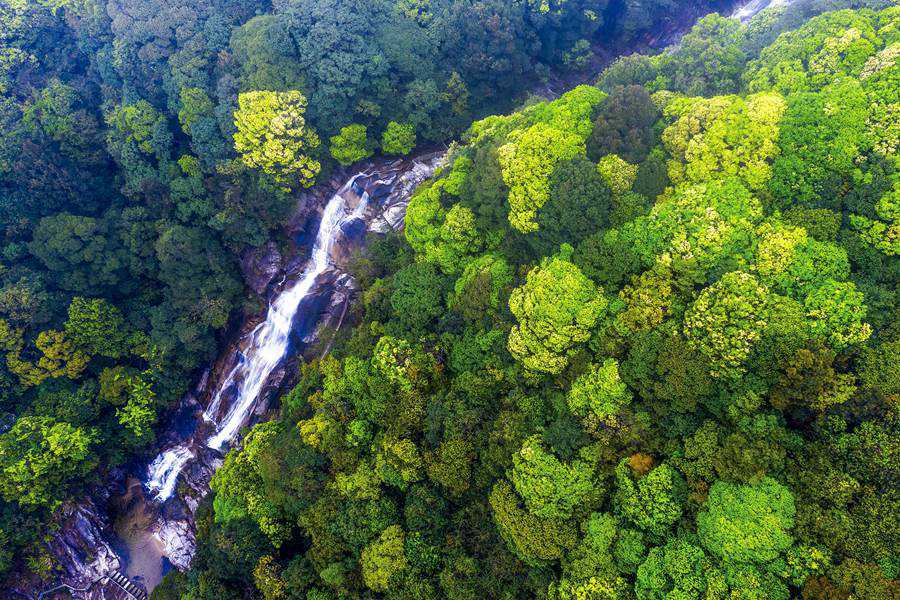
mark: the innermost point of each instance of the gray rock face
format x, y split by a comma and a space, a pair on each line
260, 266
81, 548
179, 542
391, 212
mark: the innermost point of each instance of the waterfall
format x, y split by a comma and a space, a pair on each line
163, 471
265, 346
747, 11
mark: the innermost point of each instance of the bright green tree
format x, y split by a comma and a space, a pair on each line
478, 290
533, 539
600, 391
653, 502
39, 458
383, 561
98, 327
836, 312
747, 523
398, 138
272, 136
351, 145
556, 309
726, 320
550, 488
724, 136
527, 162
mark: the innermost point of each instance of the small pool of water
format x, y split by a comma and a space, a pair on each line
141, 552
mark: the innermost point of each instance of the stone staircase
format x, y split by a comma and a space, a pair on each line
133, 590
116, 579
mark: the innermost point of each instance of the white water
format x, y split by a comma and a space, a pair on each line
750, 9
265, 348
163, 471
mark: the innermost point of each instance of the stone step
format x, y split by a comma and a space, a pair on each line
127, 585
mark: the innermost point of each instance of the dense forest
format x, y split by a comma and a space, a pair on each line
146, 145
638, 342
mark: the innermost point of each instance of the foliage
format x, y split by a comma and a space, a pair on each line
747, 523
40, 457
624, 125
384, 559
726, 320
709, 60
351, 145
527, 161
600, 391
556, 309
724, 136
398, 138
272, 136
549, 488
637, 341
653, 502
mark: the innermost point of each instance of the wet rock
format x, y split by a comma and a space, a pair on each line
260, 266
178, 541
392, 210
80, 548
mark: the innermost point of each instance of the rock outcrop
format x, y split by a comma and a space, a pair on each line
259, 266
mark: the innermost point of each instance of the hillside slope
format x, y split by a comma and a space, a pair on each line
640, 341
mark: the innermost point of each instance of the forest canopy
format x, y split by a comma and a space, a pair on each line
149, 149
636, 342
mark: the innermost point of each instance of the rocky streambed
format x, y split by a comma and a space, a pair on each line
122, 525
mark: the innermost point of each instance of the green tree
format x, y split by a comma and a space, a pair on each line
550, 488
726, 320
724, 136
351, 145
97, 327
527, 162
654, 502
836, 312
478, 290
819, 147
40, 458
418, 296
747, 523
533, 539
709, 60
253, 481
556, 309
383, 561
398, 138
680, 569
578, 206
599, 391
272, 136
819, 52
624, 125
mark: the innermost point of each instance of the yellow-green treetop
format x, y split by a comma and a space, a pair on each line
272, 136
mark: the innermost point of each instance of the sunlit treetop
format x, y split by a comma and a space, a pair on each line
272, 136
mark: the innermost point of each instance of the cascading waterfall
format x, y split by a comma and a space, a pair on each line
163, 471
266, 347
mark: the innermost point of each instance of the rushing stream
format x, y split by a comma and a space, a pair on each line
265, 347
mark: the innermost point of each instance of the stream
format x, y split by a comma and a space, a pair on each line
314, 295
145, 526
264, 348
